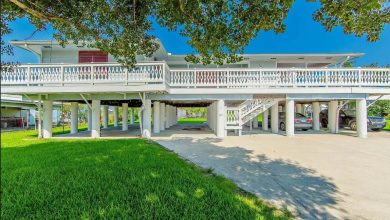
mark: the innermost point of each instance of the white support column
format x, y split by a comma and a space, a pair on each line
146, 133
132, 116
175, 115
105, 116
264, 122
332, 112
166, 116
162, 116
95, 119
316, 115
125, 116
47, 119
170, 116
275, 118
289, 119
221, 119
39, 125
298, 108
74, 117
361, 118
115, 116
156, 117
255, 122
89, 118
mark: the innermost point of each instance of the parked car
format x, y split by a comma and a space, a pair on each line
347, 118
301, 121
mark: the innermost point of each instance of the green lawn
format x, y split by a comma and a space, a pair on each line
191, 120
132, 178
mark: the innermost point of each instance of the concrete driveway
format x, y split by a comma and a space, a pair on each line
317, 176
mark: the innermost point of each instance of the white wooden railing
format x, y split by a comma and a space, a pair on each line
265, 78
159, 73
64, 74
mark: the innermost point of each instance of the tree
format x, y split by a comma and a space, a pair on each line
217, 29
380, 108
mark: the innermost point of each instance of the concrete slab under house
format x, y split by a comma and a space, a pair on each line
276, 86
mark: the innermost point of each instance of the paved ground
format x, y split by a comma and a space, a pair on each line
318, 176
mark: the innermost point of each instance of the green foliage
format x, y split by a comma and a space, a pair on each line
380, 108
195, 111
217, 29
359, 17
114, 179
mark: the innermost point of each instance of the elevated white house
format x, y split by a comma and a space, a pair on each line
234, 94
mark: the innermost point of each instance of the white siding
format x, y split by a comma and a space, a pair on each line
262, 64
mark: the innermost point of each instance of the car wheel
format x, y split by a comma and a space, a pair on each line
353, 126
375, 129
282, 126
304, 129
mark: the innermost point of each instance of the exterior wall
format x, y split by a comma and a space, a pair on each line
262, 64
64, 56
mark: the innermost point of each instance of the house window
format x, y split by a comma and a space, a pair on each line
93, 56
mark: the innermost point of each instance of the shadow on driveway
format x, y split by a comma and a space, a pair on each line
283, 183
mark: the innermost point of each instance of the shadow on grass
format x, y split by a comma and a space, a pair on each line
279, 181
116, 179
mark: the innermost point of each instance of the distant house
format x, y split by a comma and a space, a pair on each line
19, 113
234, 94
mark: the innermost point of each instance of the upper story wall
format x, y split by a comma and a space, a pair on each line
52, 52
64, 56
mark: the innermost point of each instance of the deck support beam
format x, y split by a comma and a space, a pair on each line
74, 117
275, 118
105, 116
264, 123
146, 133
316, 116
166, 116
221, 119
289, 117
47, 119
332, 114
156, 117
361, 118
131, 116
125, 117
162, 116
115, 116
95, 133
89, 118
299, 108
255, 122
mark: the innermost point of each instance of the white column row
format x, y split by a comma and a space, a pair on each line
165, 116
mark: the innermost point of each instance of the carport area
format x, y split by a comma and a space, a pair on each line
316, 175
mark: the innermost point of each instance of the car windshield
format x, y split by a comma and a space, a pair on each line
299, 115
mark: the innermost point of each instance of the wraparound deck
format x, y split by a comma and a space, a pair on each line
157, 76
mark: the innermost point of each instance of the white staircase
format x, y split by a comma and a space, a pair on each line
236, 117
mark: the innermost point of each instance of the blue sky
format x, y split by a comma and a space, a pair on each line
303, 35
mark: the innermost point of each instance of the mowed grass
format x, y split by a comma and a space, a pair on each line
191, 120
122, 179
387, 128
